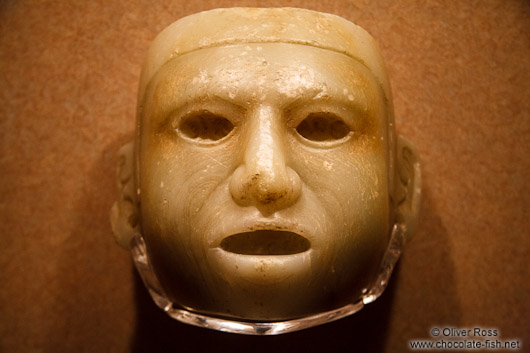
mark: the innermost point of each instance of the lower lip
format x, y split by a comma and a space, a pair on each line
260, 269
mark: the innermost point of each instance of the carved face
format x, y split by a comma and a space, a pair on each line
263, 171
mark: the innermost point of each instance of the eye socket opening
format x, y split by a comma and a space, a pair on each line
323, 127
205, 126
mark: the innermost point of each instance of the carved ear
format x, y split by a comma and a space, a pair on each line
408, 186
124, 212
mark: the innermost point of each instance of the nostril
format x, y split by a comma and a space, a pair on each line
265, 242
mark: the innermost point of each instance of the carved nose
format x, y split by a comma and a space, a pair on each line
263, 179
264, 188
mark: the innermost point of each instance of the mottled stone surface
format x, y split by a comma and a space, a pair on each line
460, 73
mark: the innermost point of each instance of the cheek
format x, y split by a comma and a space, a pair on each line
351, 186
349, 181
176, 180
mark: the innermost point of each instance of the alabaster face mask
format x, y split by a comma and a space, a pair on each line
266, 190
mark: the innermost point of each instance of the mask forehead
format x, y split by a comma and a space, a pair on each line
244, 75
260, 25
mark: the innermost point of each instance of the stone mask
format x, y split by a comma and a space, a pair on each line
266, 184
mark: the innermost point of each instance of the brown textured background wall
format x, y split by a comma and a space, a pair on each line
69, 69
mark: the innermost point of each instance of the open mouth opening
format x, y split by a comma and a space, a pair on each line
265, 242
